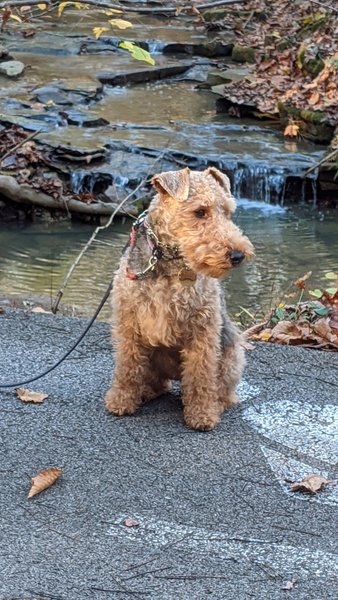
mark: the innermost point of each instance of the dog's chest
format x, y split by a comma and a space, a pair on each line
172, 314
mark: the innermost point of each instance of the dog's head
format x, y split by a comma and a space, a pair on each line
195, 209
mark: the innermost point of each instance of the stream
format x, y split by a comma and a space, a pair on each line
61, 95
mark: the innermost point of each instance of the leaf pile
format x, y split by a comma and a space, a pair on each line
296, 48
312, 323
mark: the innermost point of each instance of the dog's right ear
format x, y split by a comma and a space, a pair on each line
174, 183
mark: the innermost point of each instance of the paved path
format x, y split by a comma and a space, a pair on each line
216, 518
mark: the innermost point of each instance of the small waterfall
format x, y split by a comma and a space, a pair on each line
271, 184
259, 182
86, 182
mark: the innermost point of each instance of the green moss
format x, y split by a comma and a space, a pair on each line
243, 54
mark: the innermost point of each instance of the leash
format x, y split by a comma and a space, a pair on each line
75, 345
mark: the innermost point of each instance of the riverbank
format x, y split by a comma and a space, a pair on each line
95, 139
215, 514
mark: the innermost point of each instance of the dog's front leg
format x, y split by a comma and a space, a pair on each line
199, 383
131, 361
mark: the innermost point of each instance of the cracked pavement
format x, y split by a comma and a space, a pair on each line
216, 517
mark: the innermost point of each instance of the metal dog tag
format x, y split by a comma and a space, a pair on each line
187, 277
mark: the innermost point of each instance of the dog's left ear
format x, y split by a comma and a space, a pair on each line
222, 179
224, 182
174, 183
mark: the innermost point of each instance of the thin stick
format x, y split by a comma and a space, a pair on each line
320, 162
92, 238
325, 5
30, 137
127, 9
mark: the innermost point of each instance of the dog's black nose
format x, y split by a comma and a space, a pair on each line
236, 258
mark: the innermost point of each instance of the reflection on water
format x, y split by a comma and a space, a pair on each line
35, 258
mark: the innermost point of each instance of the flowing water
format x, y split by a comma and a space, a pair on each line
289, 242
172, 115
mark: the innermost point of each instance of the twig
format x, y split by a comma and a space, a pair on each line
92, 238
320, 162
30, 137
127, 9
325, 5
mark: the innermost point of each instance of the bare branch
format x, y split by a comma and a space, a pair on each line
129, 9
321, 161
93, 236
325, 5
15, 148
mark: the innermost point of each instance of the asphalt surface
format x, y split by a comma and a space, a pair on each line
216, 516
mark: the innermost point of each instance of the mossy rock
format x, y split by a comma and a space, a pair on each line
314, 66
243, 54
313, 124
227, 76
215, 14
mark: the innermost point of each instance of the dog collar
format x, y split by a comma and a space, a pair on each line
159, 251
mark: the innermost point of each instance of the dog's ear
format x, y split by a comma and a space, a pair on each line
224, 182
174, 183
222, 179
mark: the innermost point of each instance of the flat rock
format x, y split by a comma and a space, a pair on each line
143, 75
12, 68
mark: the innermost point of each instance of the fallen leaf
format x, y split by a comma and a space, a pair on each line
130, 522
291, 130
264, 335
300, 283
290, 584
39, 309
120, 23
98, 31
311, 484
44, 480
2, 310
29, 396
314, 98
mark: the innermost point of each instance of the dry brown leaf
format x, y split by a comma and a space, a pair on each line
264, 335
39, 309
290, 584
314, 98
130, 522
2, 310
44, 480
291, 130
300, 283
311, 484
29, 396
288, 332
323, 329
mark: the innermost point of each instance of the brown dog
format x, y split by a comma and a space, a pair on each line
169, 318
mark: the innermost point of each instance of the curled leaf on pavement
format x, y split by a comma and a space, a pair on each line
28, 396
289, 585
43, 480
130, 522
312, 484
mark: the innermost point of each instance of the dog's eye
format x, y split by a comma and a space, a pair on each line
200, 213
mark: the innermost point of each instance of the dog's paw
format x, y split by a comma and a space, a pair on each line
204, 421
119, 404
